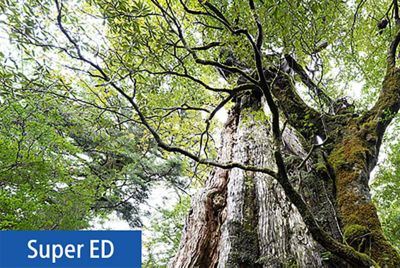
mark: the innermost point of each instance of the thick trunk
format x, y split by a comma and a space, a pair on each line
352, 159
244, 219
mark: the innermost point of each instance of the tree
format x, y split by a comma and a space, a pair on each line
64, 161
290, 183
165, 234
385, 186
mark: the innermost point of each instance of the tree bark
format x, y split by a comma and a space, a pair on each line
244, 219
317, 211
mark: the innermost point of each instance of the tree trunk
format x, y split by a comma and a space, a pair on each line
244, 219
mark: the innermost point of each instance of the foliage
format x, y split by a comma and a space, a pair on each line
63, 162
387, 191
165, 234
91, 90
37, 190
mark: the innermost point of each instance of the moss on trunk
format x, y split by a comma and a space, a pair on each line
351, 160
255, 225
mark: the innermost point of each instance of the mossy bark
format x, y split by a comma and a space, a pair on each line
352, 158
245, 219
354, 150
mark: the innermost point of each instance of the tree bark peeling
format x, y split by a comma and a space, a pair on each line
202, 228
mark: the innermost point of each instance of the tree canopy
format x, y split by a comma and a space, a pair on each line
101, 98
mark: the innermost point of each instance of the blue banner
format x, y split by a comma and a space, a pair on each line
72, 249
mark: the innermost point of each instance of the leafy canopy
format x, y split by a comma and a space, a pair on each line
111, 64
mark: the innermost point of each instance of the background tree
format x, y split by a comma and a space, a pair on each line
165, 232
289, 185
386, 191
66, 160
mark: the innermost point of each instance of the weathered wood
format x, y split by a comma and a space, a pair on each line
255, 225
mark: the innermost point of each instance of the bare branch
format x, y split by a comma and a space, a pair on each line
396, 12
307, 80
391, 59
259, 25
206, 47
211, 116
194, 12
227, 68
313, 147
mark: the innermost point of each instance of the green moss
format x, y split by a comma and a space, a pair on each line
354, 230
320, 166
369, 126
362, 229
326, 256
348, 160
351, 151
357, 236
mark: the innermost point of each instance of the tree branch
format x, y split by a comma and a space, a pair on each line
144, 121
206, 47
307, 80
391, 58
227, 68
396, 12
258, 23
307, 121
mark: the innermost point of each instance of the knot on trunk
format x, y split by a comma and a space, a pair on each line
218, 201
